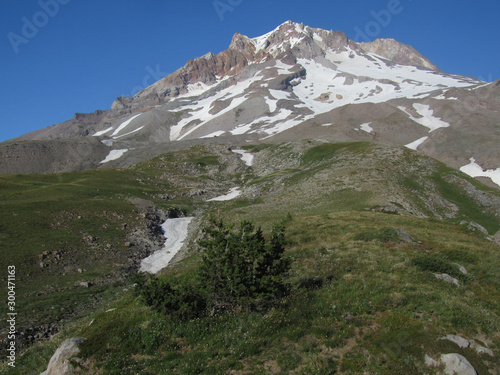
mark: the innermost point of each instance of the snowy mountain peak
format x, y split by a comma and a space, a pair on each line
291, 34
299, 82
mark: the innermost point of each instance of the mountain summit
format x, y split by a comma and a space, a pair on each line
295, 82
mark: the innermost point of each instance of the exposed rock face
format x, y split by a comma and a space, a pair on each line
398, 52
59, 363
204, 71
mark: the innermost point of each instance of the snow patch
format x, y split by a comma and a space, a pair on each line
214, 134
442, 97
428, 119
418, 142
102, 132
233, 193
475, 170
245, 156
366, 127
133, 131
107, 142
175, 234
113, 155
123, 125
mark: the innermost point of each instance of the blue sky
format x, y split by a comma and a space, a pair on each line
58, 57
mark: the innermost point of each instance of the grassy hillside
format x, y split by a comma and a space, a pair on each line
359, 302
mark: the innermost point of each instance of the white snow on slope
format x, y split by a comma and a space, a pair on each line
107, 142
200, 110
102, 132
428, 120
340, 78
366, 127
245, 156
418, 142
124, 125
214, 134
475, 170
132, 132
261, 41
113, 155
175, 234
233, 193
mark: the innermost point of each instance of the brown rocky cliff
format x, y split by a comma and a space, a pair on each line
398, 52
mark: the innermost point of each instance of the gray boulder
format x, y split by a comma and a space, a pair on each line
481, 349
477, 227
456, 364
59, 363
447, 278
404, 235
460, 341
461, 268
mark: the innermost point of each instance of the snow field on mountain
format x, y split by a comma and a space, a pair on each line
175, 231
113, 155
200, 109
346, 77
475, 170
123, 125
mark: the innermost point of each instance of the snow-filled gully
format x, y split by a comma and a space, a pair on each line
176, 230
175, 234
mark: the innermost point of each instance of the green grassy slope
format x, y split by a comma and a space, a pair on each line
356, 306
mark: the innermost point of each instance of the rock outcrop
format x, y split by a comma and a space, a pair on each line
60, 362
398, 52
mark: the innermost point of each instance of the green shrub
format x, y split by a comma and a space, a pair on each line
239, 269
179, 300
460, 255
